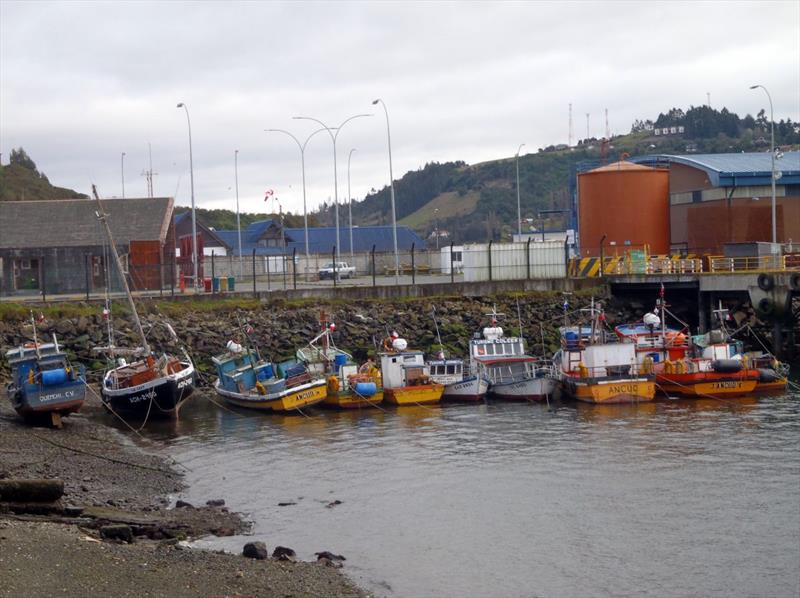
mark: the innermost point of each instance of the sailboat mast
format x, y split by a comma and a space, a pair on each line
102, 216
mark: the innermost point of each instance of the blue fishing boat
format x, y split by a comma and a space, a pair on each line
246, 380
44, 385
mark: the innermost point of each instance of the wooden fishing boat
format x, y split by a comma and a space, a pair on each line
709, 365
594, 368
348, 385
512, 374
246, 380
458, 384
149, 386
406, 376
44, 385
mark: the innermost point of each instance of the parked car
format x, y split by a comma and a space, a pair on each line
341, 270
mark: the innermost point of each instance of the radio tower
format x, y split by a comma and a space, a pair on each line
608, 130
149, 174
570, 126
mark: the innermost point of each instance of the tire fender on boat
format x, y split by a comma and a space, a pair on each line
766, 282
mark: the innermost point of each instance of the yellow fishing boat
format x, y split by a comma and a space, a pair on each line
406, 376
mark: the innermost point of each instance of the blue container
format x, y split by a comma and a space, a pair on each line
365, 389
215, 284
231, 284
339, 360
51, 377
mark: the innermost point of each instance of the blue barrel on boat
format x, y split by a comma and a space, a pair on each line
231, 283
51, 377
572, 339
366, 389
339, 360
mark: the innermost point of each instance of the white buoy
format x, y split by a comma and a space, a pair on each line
651, 319
399, 344
233, 347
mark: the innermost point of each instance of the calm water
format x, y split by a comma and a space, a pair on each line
674, 498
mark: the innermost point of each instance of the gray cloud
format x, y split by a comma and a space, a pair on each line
82, 82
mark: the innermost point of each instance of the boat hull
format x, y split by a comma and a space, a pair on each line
609, 392
468, 390
768, 387
161, 398
291, 399
706, 384
530, 389
42, 402
414, 395
352, 400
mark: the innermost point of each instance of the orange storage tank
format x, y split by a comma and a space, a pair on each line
626, 202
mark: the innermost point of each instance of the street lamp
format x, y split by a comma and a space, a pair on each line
122, 170
334, 136
519, 212
302, 148
238, 223
436, 225
350, 203
391, 186
772, 156
191, 180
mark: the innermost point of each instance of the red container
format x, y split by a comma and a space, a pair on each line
207, 284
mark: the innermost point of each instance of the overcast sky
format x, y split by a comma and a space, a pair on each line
82, 82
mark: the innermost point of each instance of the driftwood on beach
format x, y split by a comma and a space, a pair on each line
31, 490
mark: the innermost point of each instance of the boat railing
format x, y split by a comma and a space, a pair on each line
611, 372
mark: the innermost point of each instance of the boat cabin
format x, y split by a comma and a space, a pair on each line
406, 368
50, 367
446, 371
501, 370
239, 372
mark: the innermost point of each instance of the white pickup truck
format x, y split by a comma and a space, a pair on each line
342, 270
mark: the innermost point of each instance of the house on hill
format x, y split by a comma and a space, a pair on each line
59, 246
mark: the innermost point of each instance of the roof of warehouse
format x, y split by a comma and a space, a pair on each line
73, 223
726, 169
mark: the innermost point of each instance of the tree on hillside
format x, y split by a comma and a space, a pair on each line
21, 158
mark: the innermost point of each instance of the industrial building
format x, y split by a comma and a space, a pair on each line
690, 204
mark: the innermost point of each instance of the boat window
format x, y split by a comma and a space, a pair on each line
451, 369
490, 349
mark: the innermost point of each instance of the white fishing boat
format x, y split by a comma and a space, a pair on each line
512, 374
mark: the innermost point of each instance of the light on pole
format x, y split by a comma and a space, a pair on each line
436, 225
302, 148
391, 187
238, 223
350, 203
122, 171
191, 181
772, 156
519, 211
334, 136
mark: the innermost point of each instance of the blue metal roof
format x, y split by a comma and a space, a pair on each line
322, 239
735, 170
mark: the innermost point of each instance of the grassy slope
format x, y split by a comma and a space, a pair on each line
18, 183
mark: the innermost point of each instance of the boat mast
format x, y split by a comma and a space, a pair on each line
436, 326
35, 340
101, 215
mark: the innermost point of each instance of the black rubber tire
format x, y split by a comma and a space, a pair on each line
766, 306
766, 282
794, 281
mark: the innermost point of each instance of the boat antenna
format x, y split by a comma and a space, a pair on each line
102, 216
435, 325
35, 341
519, 321
541, 331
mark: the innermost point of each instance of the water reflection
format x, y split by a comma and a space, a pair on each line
695, 497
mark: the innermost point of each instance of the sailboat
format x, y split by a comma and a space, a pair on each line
44, 384
150, 385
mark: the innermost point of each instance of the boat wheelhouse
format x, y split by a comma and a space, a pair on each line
406, 376
459, 385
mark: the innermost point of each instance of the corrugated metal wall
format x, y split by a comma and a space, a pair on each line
509, 262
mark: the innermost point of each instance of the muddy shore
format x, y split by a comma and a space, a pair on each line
110, 481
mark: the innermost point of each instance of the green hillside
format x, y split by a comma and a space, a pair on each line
21, 181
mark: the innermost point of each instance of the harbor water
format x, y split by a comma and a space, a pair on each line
672, 498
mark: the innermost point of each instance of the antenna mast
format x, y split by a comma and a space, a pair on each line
587, 126
571, 135
148, 174
608, 130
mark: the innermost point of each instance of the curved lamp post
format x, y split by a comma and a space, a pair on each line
772, 155
391, 187
191, 180
302, 148
334, 136
519, 212
350, 202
